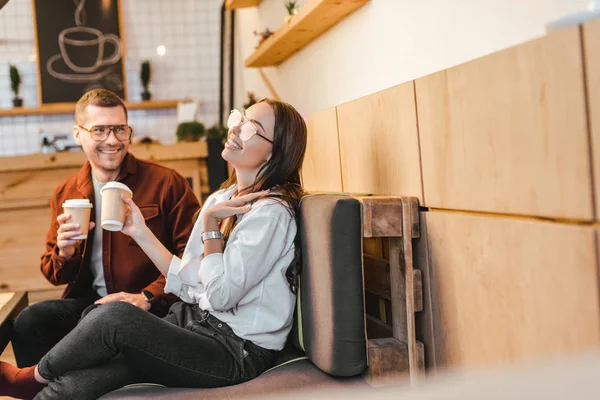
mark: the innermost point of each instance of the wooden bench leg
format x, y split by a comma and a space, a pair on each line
398, 220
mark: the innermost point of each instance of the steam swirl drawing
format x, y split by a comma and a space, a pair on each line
82, 48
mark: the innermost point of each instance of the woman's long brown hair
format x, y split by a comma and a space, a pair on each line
281, 174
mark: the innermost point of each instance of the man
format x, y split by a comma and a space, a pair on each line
108, 266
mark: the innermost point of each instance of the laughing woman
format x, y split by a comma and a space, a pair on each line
237, 279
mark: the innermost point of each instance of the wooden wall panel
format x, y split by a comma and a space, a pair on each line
28, 185
379, 146
506, 290
507, 132
21, 246
591, 45
321, 169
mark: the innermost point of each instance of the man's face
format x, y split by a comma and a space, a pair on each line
105, 156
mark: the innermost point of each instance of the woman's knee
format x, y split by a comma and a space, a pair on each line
114, 313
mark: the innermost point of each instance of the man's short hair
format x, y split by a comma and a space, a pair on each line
99, 98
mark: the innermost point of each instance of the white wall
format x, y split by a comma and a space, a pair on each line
189, 29
388, 42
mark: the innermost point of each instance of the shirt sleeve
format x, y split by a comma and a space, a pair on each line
256, 243
182, 278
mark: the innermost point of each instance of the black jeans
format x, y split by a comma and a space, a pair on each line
118, 344
42, 325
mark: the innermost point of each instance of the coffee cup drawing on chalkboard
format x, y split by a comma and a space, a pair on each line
82, 52
80, 44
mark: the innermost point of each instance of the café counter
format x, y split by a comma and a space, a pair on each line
26, 186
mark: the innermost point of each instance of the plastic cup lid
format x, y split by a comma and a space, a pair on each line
116, 185
77, 203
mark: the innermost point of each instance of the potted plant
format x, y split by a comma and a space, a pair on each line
15, 83
216, 132
251, 100
190, 131
145, 74
292, 8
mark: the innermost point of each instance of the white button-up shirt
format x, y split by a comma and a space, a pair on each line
245, 286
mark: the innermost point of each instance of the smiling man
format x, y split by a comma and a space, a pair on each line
108, 266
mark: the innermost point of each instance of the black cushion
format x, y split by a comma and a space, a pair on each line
332, 320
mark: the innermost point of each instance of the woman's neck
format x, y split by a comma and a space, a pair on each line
244, 179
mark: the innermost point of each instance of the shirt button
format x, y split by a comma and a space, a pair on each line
220, 325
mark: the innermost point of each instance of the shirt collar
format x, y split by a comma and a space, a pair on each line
84, 177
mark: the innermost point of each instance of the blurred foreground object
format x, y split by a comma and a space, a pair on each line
573, 378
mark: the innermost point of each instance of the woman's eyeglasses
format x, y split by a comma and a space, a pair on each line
247, 127
100, 132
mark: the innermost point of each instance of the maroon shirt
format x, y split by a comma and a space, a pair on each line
167, 203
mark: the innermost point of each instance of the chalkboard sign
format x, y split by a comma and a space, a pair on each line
79, 48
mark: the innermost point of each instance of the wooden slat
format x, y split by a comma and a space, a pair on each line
377, 280
34, 186
379, 146
21, 246
47, 294
69, 108
424, 319
9, 309
314, 19
389, 361
377, 276
507, 133
177, 151
407, 254
508, 290
398, 291
382, 216
321, 169
154, 152
377, 329
591, 45
234, 4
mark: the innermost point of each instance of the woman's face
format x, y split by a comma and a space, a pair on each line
252, 153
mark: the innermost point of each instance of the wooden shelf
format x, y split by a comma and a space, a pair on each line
314, 19
233, 4
69, 108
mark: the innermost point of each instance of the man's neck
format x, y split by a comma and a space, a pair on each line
104, 176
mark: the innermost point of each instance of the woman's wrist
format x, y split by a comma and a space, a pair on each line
210, 223
142, 234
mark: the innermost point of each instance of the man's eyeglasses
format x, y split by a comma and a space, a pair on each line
247, 127
101, 132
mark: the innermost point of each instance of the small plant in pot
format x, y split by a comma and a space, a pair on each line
216, 132
190, 131
145, 75
15, 84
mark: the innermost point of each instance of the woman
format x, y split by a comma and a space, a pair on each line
237, 279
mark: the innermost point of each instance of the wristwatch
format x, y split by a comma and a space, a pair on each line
148, 296
211, 235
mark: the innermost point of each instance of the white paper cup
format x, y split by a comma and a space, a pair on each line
114, 208
80, 214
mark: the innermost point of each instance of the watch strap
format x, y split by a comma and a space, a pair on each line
148, 296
